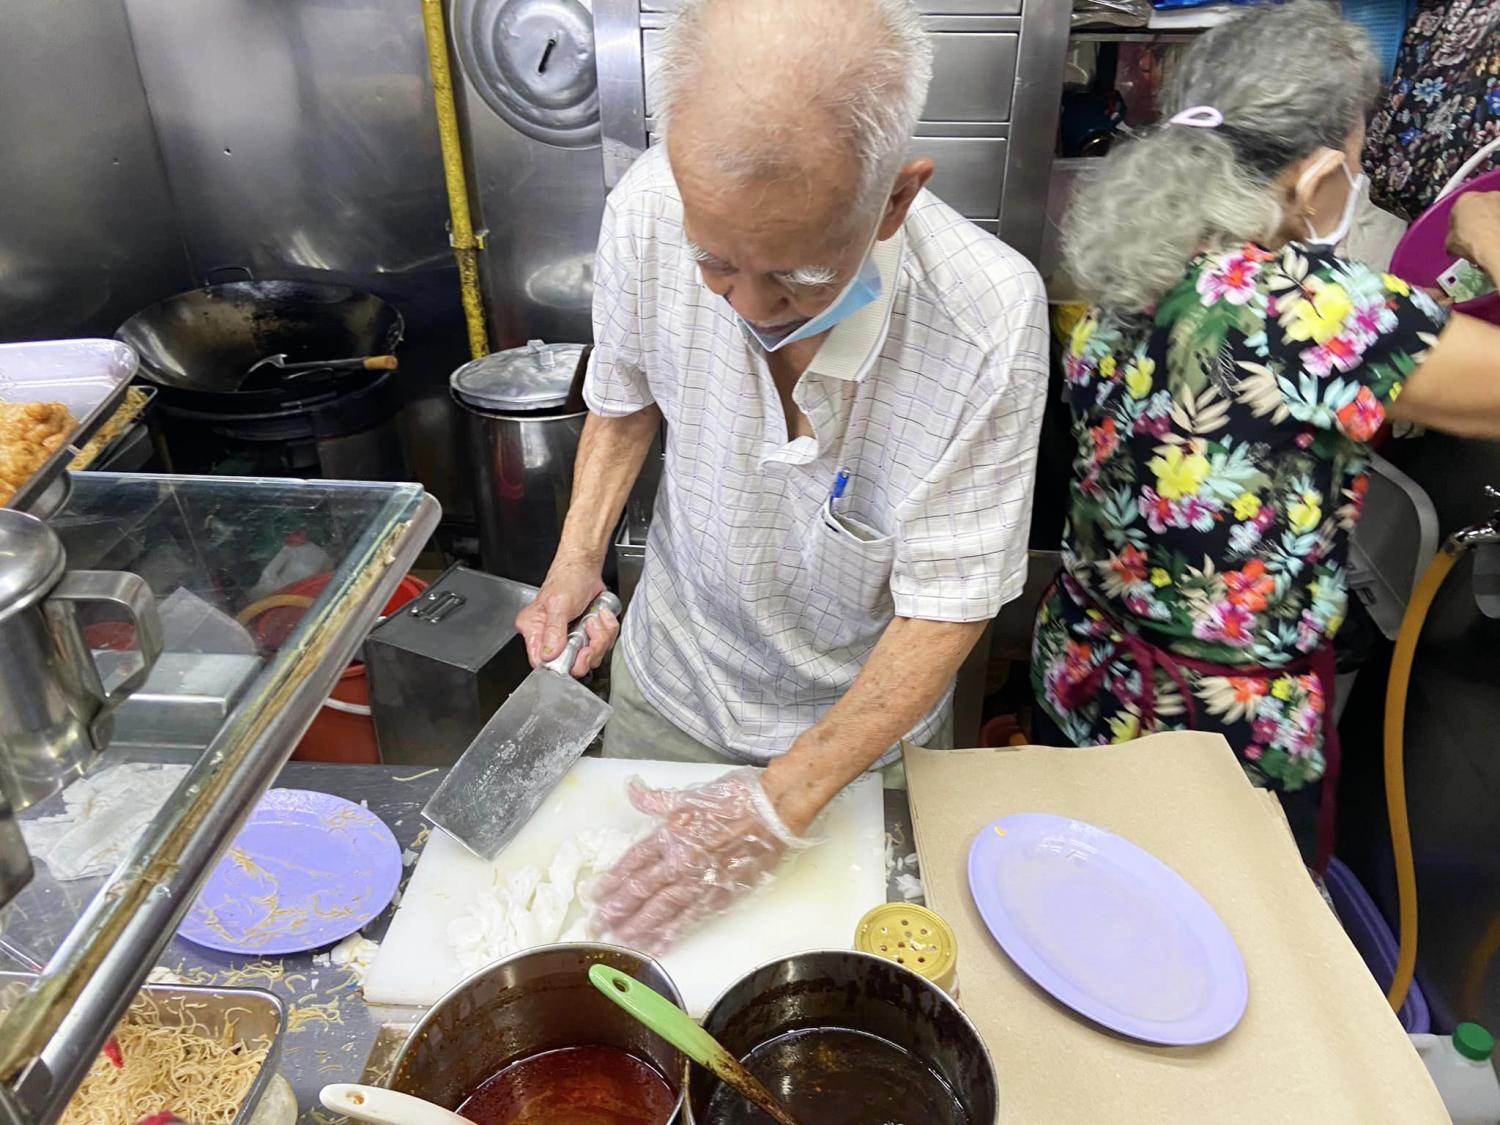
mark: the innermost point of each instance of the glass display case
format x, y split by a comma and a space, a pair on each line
221, 557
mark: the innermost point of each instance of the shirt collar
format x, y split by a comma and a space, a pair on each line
852, 346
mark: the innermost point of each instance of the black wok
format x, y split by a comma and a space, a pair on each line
207, 339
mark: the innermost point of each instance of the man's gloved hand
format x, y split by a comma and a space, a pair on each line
712, 844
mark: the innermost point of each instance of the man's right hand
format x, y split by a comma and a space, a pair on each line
565, 596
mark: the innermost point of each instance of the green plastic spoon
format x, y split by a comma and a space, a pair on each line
677, 1028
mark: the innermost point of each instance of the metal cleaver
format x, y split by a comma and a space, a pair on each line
521, 754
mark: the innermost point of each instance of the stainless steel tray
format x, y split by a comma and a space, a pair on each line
89, 377
250, 1013
120, 440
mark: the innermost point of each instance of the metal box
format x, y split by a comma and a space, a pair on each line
183, 703
442, 666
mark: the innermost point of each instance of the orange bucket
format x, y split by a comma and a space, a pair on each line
343, 730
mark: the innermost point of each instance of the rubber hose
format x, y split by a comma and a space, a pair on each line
1395, 766
275, 601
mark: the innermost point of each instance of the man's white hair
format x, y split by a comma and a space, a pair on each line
870, 86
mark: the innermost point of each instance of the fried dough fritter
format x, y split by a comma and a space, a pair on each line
30, 432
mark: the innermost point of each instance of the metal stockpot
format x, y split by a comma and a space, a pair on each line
54, 709
536, 1001
857, 992
525, 416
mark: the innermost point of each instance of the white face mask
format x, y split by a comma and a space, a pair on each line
1346, 221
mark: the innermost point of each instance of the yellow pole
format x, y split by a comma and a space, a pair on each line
466, 245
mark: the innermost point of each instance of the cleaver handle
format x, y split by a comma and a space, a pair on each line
577, 638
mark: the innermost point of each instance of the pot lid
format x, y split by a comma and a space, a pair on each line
31, 561
536, 377
532, 61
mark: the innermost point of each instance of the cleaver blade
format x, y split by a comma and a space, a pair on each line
525, 749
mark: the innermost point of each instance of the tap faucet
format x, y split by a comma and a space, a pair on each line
1480, 533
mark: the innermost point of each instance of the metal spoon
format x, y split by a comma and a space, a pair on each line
677, 1028
352, 363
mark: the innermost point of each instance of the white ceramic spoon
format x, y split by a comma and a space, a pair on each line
380, 1106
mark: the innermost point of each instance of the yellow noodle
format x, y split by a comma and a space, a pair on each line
304, 1014
199, 1075
134, 402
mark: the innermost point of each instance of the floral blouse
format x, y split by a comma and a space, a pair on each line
1220, 469
1442, 106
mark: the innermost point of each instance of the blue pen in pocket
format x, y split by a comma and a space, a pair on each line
840, 483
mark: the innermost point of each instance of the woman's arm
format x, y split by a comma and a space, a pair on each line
1457, 387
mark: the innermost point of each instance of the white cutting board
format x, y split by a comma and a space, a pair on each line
815, 902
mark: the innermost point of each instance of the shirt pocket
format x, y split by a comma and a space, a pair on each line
849, 567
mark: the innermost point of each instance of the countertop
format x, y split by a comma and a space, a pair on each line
333, 1035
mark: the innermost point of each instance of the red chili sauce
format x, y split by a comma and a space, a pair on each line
573, 1086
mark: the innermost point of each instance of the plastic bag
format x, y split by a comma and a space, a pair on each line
1111, 13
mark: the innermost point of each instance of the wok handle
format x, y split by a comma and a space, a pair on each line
382, 363
577, 637
380, 1106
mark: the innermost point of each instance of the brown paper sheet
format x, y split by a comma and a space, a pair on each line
1318, 1043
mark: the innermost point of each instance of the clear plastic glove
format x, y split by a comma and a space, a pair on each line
713, 843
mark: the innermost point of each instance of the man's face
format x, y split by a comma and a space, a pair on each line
780, 252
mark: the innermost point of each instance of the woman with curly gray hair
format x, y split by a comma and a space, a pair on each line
1224, 389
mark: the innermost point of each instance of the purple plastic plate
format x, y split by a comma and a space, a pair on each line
1108, 929
306, 870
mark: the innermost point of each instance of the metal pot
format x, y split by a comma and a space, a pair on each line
855, 992
205, 340
200, 346
54, 710
536, 1001
525, 418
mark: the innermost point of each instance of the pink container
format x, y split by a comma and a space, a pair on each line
1422, 254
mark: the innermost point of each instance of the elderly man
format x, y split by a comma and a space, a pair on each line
852, 378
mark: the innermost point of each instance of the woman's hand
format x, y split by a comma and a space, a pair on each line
1474, 229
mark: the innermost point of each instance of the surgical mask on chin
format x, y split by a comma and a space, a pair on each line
1346, 221
863, 290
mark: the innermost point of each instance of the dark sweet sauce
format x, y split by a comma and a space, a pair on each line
573, 1086
831, 1076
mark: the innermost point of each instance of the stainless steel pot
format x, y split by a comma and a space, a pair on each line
536, 1001
856, 992
524, 419
54, 709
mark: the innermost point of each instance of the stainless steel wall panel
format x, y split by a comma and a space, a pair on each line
299, 136
973, 75
1034, 109
991, 115
300, 140
970, 172
87, 233
617, 54
542, 207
